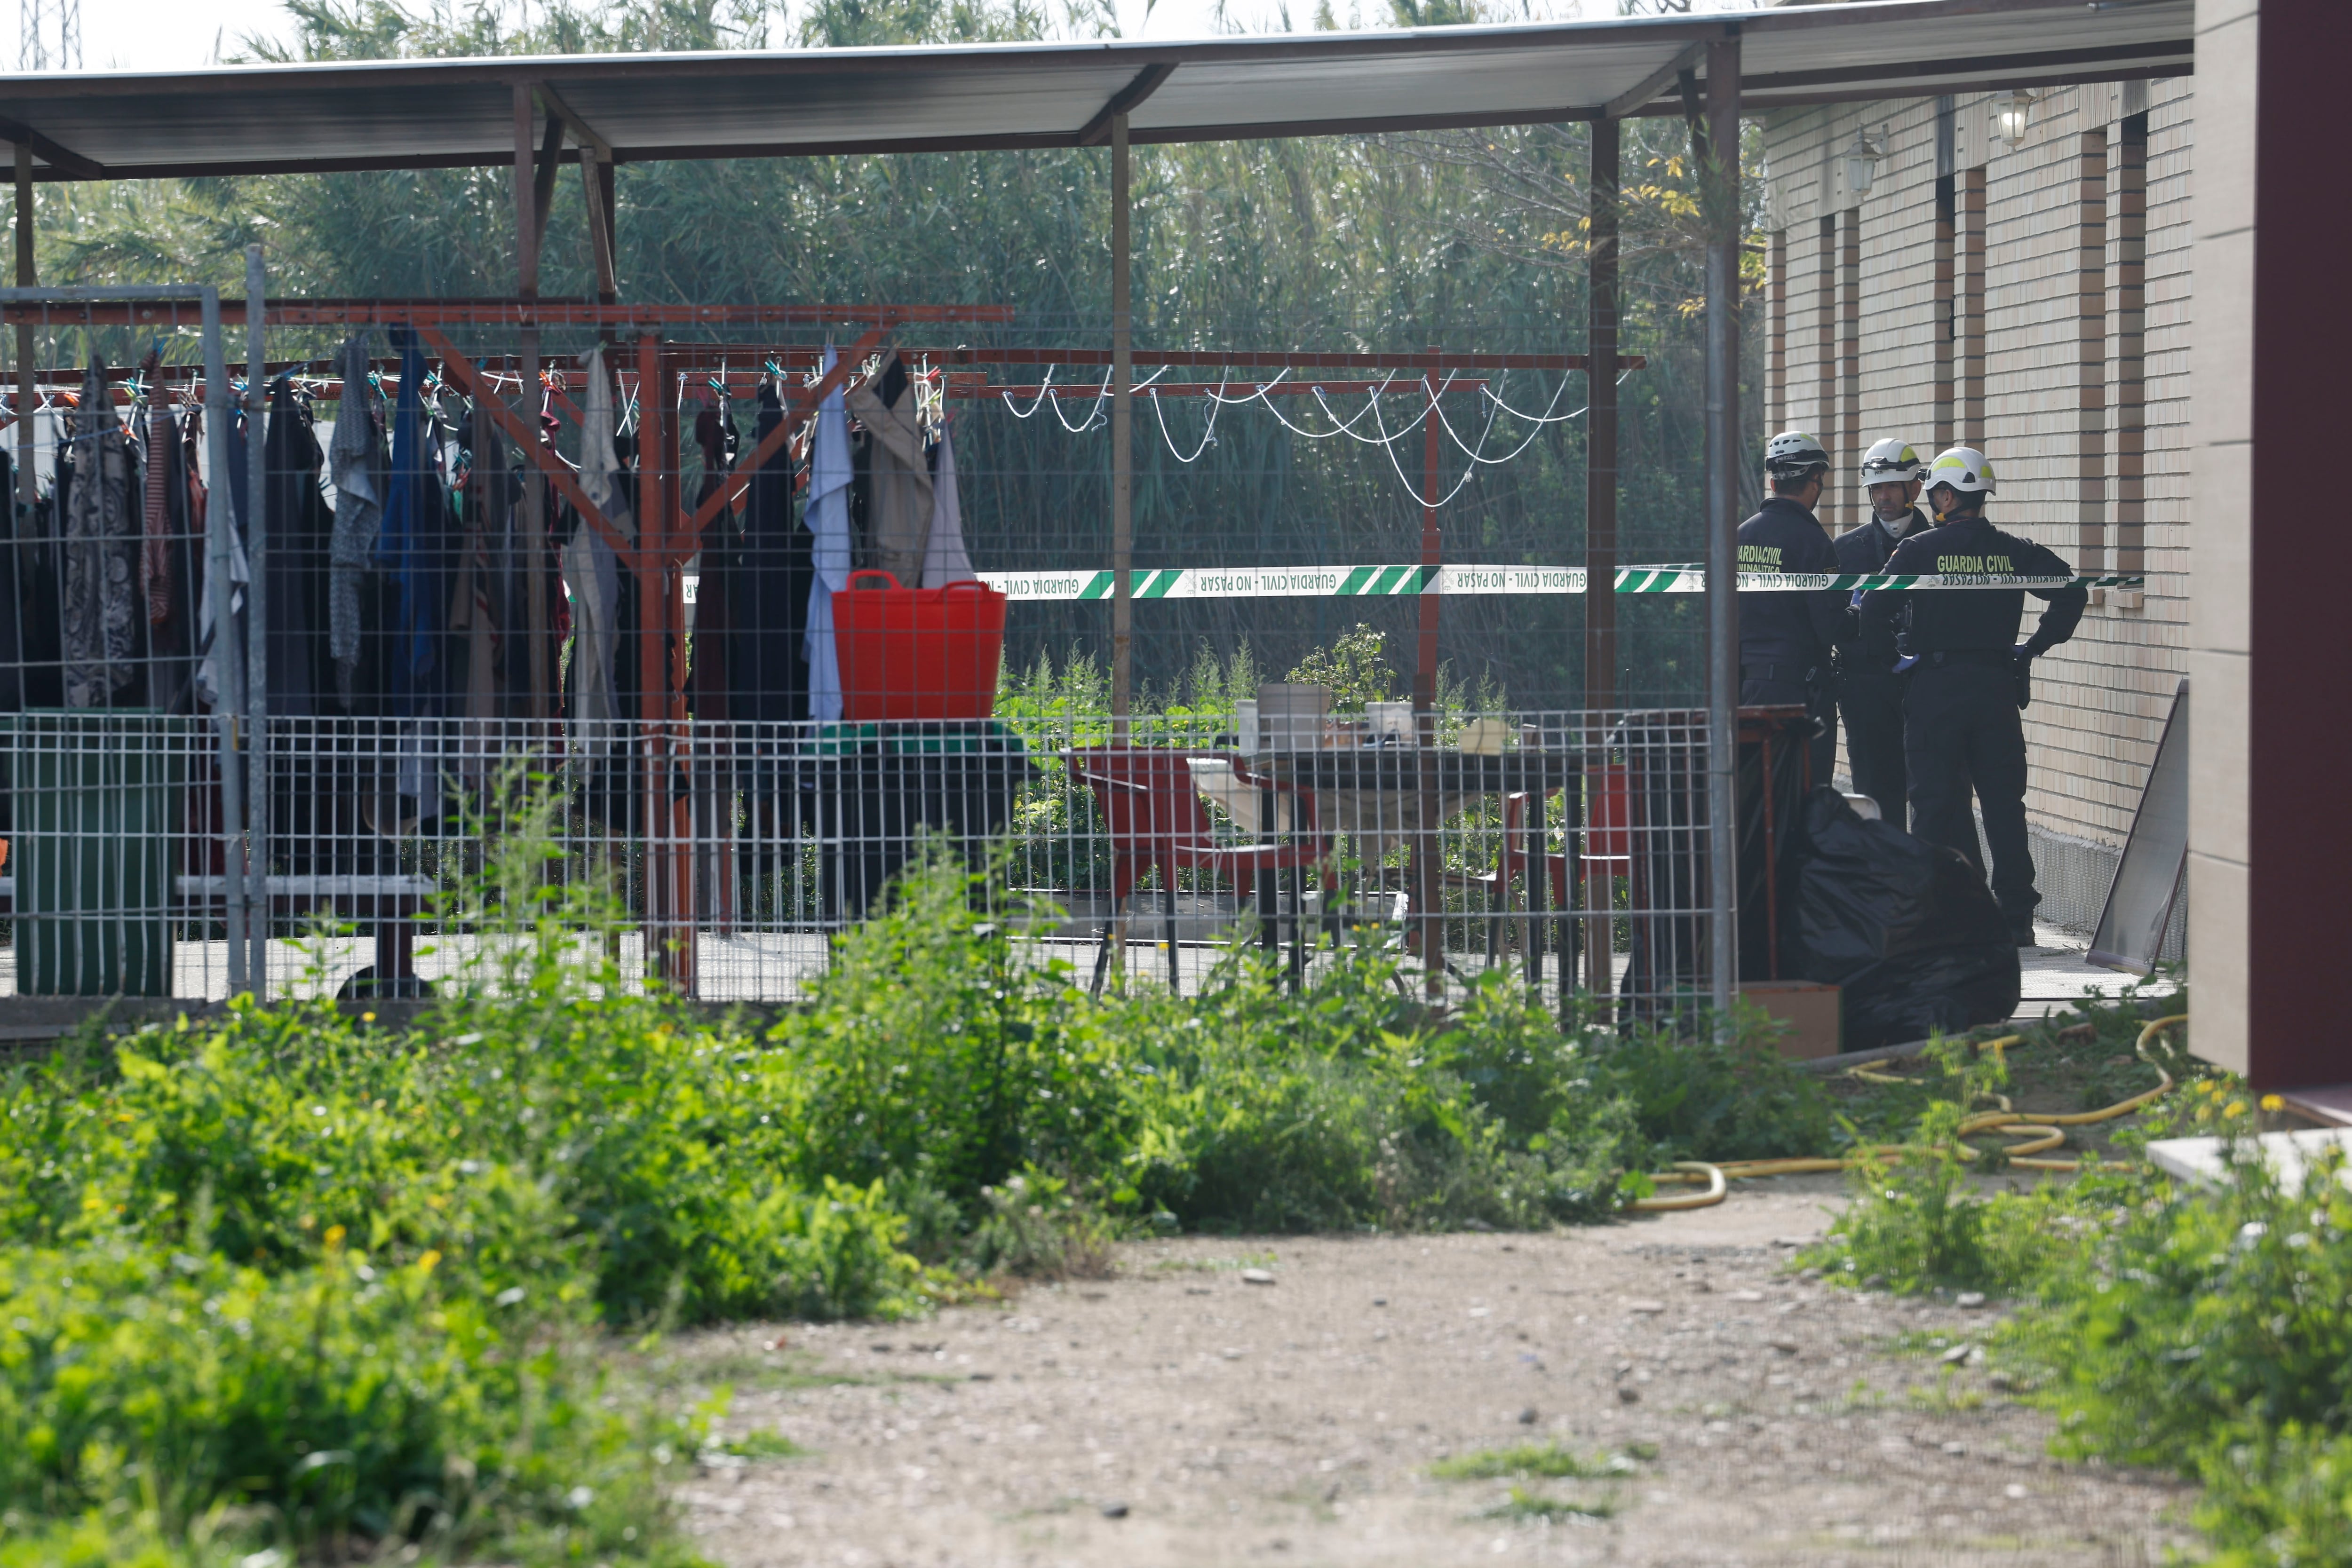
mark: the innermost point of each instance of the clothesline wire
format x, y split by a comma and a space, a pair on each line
1386, 440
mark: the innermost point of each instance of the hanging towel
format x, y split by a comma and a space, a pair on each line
355, 454
100, 592
590, 567
900, 520
828, 520
221, 534
945, 559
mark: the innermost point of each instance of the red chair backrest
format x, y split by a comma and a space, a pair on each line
1147, 797
1608, 814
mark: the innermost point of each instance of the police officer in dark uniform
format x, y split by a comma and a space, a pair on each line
1785, 638
1869, 692
1968, 676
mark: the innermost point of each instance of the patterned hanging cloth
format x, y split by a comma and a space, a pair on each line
101, 548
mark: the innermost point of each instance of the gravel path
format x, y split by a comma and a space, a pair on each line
1186, 1413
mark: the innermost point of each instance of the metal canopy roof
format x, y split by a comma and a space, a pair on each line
462, 113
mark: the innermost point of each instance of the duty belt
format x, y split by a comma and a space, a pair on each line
1999, 658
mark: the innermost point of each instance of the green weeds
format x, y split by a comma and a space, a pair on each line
762, 1443
1523, 1504
1548, 1460
280, 1282
2203, 1329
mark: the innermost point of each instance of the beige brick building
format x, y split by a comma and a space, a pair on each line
2028, 294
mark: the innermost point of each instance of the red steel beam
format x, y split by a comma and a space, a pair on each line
739, 479
459, 369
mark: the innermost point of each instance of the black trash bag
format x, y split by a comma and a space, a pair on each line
1908, 930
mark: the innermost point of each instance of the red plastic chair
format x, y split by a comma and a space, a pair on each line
1607, 850
1510, 868
1158, 820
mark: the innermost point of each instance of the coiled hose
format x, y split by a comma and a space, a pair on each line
2038, 1133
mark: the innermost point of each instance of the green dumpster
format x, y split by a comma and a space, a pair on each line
100, 796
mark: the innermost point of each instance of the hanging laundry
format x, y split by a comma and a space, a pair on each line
945, 559
591, 569
709, 681
168, 561
357, 461
828, 526
37, 563
162, 438
13, 519
299, 530
476, 625
223, 540
769, 661
899, 523
406, 544
102, 615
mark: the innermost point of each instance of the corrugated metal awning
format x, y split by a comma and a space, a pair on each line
462, 113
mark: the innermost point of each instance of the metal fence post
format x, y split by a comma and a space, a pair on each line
257, 624
228, 656
1721, 205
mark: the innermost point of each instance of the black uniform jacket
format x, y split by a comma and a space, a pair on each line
1867, 549
1961, 620
1794, 631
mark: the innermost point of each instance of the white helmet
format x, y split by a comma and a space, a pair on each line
1892, 462
1964, 468
1793, 453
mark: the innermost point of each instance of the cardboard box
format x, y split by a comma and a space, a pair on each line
1814, 1014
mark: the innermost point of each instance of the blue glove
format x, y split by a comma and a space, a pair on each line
2022, 651
1903, 665
1854, 602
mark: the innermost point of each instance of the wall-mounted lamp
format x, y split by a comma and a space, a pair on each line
2010, 111
1862, 165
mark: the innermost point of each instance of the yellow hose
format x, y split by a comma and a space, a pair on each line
2039, 1133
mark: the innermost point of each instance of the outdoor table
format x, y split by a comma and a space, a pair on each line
876, 787
1390, 793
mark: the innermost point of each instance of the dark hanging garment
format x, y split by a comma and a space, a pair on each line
169, 569
12, 600
36, 556
360, 473
494, 522
768, 666
410, 548
708, 681
299, 532
861, 500
102, 618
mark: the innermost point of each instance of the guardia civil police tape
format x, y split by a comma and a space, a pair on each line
1381, 581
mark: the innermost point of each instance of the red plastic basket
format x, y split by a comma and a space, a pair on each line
916, 653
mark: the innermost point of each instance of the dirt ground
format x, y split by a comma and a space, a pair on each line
1186, 1413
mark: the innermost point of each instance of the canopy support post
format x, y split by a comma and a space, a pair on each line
1122, 459
533, 186
28, 395
1720, 203
256, 625
1426, 867
1600, 497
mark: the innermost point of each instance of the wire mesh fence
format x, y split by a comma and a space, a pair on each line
767, 598
1567, 848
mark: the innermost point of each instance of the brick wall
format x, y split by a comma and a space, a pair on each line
2034, 300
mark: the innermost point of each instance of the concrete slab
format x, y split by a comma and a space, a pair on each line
2056, 974
2287, 1154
